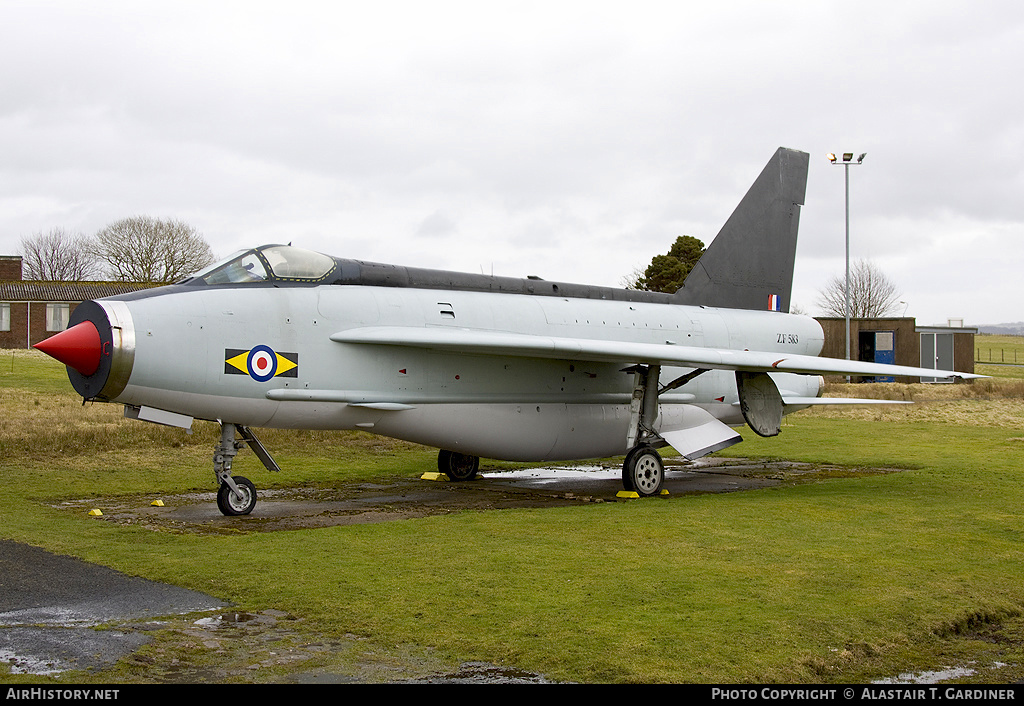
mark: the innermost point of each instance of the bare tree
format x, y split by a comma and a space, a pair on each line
872, 293
145, 249
57, 255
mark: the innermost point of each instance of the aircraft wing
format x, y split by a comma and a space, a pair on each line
825, 401
626, 352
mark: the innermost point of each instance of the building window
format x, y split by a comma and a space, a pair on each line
57, 316
5, 316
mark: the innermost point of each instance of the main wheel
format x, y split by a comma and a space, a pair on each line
643, 471
457, 466
230, 504
627, 474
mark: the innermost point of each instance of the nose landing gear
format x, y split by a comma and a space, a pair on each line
237, 494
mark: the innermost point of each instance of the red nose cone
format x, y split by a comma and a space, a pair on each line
78, 347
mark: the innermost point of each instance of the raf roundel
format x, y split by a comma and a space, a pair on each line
262, 363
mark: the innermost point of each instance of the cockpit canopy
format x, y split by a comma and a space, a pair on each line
270, 263
284, 265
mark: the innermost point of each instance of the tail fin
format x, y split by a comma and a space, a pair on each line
749, 264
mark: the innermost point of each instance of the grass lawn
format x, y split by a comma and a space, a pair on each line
846, 579
999, 349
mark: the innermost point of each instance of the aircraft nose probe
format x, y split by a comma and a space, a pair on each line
78, 347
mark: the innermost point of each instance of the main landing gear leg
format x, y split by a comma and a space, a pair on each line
237, 494
643, 471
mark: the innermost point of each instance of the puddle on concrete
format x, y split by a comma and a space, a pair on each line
225, 620
484, 673
50, 650
929, 677
30, 664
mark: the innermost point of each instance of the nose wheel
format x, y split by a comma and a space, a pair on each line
237, 500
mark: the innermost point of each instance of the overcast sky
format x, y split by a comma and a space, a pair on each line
568, 140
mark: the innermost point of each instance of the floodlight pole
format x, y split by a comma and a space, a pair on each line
847, 163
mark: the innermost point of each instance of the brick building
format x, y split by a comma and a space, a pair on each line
31, 311
901, 341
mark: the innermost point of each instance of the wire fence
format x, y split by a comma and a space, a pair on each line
998, 355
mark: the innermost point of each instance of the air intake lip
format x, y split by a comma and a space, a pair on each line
98, 347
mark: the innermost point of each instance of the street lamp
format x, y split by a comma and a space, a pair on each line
847, 163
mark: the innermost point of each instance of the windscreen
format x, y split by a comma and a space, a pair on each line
287, 262
270, 263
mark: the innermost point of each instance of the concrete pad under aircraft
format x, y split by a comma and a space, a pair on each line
309, 507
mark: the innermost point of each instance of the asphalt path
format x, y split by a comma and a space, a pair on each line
50, 606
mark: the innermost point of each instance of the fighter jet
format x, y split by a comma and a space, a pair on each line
477, 366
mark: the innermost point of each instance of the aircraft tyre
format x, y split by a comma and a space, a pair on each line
643, 471
627, 478
230, 504
456, 466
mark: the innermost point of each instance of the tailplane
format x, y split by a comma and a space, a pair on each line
749, 264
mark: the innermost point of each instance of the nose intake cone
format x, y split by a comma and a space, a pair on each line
78, 347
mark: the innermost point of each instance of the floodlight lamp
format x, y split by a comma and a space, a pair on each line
832, 157
862, 156
847, 156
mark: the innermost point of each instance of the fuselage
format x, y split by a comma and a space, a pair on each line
262, 356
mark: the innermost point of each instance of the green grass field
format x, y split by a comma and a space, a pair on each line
999, 349
841, 580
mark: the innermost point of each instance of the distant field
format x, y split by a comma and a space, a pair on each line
999, 349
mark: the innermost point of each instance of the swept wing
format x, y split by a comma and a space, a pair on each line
475, 342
